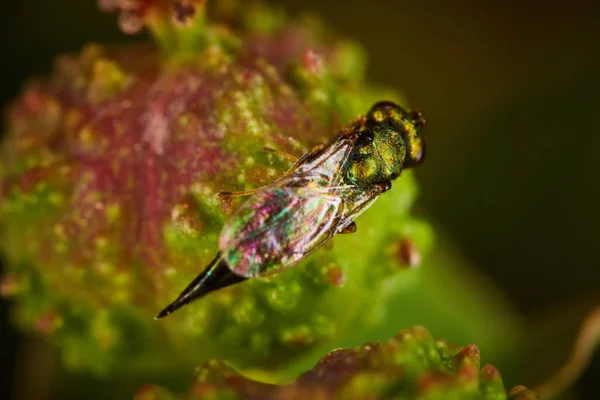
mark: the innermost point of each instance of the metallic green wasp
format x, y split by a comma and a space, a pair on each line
320, 196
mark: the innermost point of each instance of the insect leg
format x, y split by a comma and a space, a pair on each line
224, 195
365, 198
350, 228
382, 187
307, 157
313, 152
281, 154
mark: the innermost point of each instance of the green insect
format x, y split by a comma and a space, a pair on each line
320, 196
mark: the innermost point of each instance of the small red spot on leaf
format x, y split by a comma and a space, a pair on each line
312, 61
48, 322
336, 277
408, 253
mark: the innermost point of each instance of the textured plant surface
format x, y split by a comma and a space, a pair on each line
110, 170
410, 366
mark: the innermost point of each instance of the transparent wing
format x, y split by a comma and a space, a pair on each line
283, 223
278, 227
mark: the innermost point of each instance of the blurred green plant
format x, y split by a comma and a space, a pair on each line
410, 366
110, 170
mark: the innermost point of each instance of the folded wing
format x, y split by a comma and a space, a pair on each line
278, 227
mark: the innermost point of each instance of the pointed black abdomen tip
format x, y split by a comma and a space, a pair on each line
167, 310
163, 313
184, 298
216, 276
189, 294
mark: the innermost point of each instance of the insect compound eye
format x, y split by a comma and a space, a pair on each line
417, 119
420, 156
386, 109
416, 152
383, 106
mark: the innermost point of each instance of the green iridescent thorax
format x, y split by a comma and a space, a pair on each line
378, 157
389, 143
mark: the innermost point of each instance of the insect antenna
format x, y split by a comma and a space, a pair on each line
217, 275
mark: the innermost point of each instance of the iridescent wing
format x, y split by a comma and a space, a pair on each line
281, 225
326, 161
277, 227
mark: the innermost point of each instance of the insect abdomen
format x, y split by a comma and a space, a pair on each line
215, 276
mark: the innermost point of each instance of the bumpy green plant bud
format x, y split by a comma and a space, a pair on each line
110, 170
410, 366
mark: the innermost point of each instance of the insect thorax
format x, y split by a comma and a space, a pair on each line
378, 157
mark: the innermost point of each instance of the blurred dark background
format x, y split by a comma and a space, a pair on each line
511, 92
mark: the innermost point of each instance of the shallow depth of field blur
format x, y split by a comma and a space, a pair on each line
511, 93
